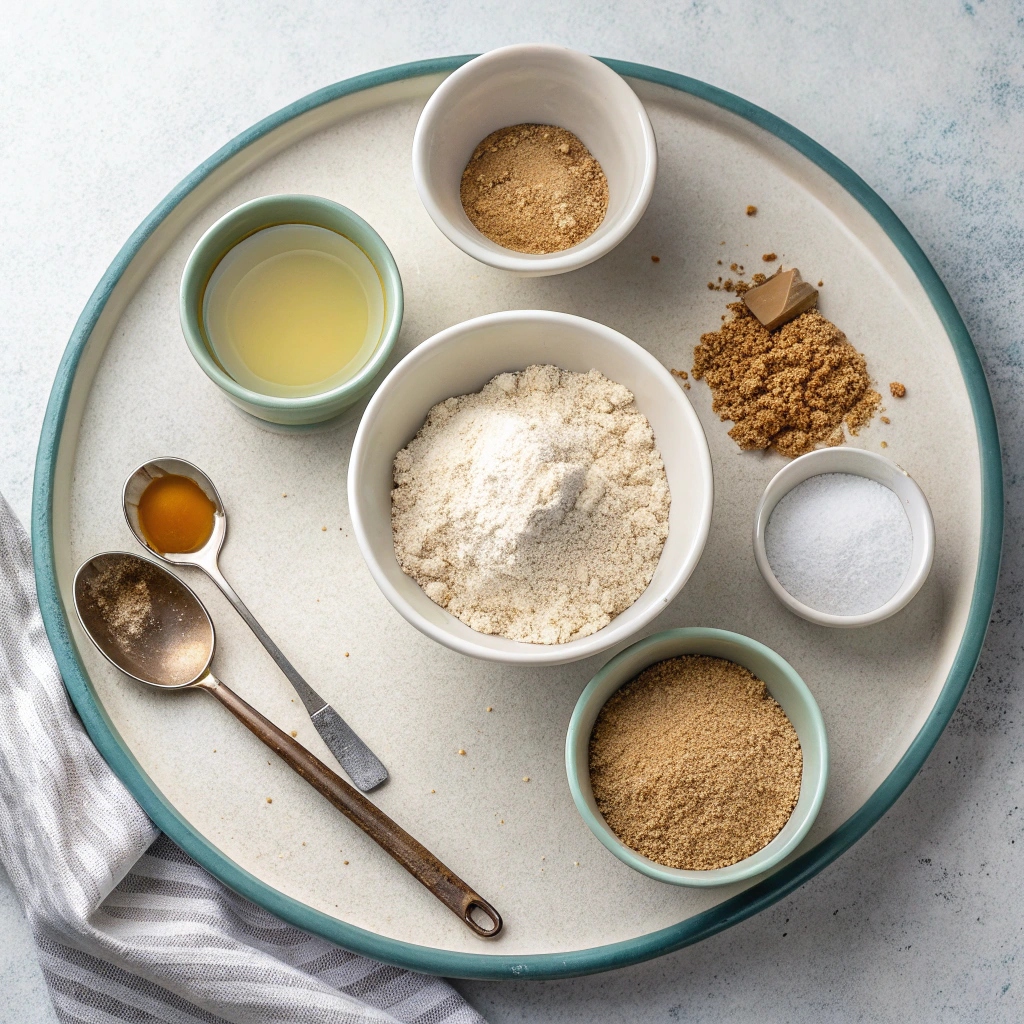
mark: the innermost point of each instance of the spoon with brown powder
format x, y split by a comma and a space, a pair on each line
152, 627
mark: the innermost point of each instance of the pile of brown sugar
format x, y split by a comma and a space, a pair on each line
790, 389
534, 188
694, 764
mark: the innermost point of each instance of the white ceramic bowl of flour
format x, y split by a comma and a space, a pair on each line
461, 360
535, 84
849, 533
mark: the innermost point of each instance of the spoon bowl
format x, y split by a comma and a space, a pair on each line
169, 645
137, 483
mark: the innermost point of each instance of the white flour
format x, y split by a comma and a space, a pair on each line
535, 509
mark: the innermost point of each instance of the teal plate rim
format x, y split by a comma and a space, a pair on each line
598, 958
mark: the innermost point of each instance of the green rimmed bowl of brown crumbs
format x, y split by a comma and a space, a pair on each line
698, 756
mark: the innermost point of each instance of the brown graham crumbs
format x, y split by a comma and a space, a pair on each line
897, 390
694, 764
534, 188
751, 211
790, 389
769, 257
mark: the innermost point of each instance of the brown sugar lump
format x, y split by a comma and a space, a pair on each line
694, 764
791, 389
781, 298
534, 188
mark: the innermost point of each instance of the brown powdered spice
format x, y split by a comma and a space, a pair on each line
791, 389
694, 764
534, 188
121, 591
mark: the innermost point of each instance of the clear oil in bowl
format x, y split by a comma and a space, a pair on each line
294, 310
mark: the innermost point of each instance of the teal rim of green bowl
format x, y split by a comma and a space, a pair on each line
750, 866
584, 959
221, 237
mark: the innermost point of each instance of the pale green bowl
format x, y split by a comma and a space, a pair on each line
238, 225
784, 685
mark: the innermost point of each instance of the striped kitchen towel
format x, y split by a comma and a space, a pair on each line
128, 927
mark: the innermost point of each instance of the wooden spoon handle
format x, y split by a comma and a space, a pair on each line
451, 890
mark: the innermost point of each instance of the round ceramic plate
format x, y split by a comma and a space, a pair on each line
127, 391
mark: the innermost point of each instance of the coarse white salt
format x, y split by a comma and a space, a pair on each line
840, 543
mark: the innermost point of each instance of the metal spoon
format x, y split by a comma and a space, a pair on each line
150, 625
363, 766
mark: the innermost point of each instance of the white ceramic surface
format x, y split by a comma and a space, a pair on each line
138, 394
783, 683
874, 467
460, 360
535, 84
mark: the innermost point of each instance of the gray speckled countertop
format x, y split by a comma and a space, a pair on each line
104, 108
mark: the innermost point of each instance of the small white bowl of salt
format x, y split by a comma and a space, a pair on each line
844, 537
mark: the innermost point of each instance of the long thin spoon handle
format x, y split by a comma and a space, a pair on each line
362, 764
451, 890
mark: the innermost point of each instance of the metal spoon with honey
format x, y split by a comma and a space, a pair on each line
175, 512
151, 626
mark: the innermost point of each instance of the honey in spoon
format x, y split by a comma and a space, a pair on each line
175, 515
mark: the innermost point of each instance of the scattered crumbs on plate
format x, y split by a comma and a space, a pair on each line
323, 529
751, 211
526, 778
885, 444
270, 799
821, 284
769, 257
679, 373
346, 654
344, 862
897, 389
295, 732
462, 753
490, 709
885, 420
655, 259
